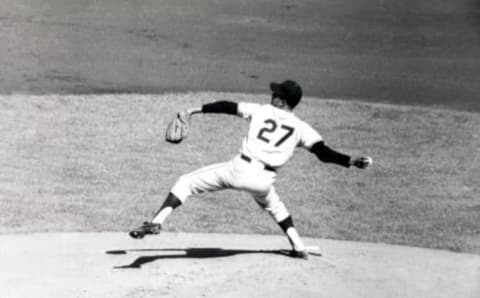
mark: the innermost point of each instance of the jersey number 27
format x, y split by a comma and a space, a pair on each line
271, 127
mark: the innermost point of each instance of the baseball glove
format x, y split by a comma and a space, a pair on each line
177, 129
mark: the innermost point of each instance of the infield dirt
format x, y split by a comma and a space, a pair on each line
217, 265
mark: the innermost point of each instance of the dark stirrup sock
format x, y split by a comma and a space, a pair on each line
286, 223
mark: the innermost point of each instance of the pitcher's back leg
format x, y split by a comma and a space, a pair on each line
271, 203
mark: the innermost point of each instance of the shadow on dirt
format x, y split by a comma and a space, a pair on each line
190, 253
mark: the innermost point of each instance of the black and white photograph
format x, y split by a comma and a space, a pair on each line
239, 148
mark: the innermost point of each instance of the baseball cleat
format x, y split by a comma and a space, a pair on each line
148, 228
301, 254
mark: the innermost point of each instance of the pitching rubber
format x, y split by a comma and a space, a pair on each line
312, 248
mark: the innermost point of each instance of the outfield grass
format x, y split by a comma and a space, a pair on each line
99, 163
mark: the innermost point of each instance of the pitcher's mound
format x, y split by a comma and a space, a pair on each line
216, 265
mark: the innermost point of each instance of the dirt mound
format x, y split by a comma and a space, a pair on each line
219, 265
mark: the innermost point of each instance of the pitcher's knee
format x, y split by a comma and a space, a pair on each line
182, 188
277, 210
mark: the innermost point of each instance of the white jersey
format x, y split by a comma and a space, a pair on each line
274, 133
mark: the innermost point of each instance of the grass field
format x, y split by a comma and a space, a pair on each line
99, 163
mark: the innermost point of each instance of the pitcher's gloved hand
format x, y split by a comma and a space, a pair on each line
177, 129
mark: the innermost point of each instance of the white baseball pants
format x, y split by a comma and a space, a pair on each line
236, 174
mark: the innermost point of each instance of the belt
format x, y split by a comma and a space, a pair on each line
266, 167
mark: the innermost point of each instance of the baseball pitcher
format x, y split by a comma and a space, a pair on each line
273, 135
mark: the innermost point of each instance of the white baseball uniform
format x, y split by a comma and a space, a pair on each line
272, 138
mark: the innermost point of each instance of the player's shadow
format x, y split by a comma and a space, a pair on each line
188, 253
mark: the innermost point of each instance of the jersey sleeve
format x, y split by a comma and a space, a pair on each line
308, 136
247, 109
222, 107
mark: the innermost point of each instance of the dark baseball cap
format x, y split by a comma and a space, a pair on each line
288, 90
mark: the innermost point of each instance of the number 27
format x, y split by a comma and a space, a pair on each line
272, 126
